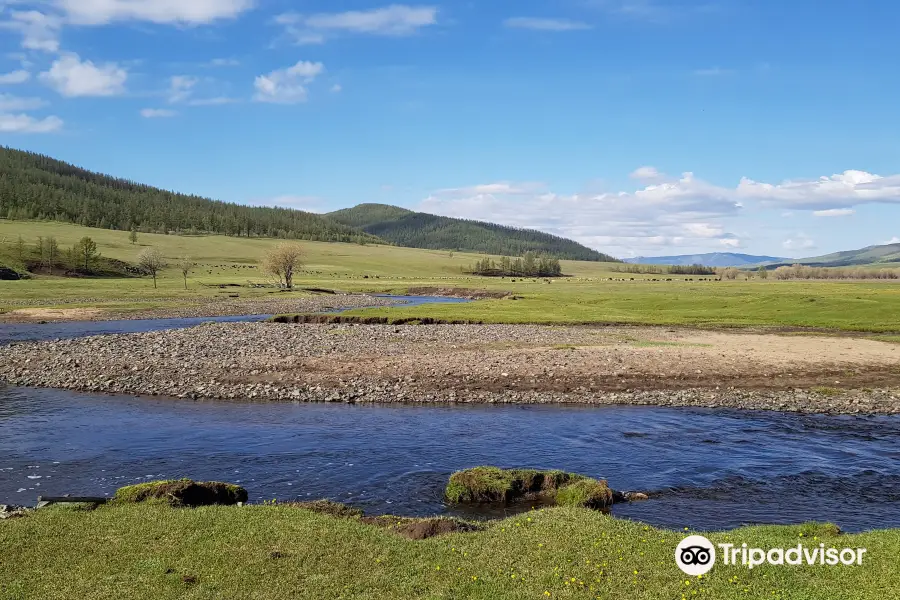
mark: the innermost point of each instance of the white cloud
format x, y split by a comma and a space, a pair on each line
337, 88
647, 174
680, 212
187, 12
393, 20
685, 211
15, 77
181, 87
10, 103
39, 31
71, 77
158, 113
799, 242
545, 24
835, 212
893, 240
28, 124
287, 86
837, 191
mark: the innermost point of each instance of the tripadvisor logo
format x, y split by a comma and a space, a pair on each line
696, 555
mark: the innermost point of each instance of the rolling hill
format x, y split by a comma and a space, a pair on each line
870, 255
420, 230
713, 259
33, 186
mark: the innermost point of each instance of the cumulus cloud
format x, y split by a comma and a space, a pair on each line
834, 212
158, 113
799, 242
39, 31
837, 191
393, 20
10, 103
72, 77
545, 24
893, 240
15, 77
287, 86
27, 124
187, 12
681, 212
664, 211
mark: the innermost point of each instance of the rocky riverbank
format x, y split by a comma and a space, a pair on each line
201, 307
518, 364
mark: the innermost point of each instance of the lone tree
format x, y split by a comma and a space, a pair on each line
763, 272
85, 250
133, 235
151, 262
282, 262
186, 265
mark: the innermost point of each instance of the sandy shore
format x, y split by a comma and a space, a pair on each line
474, 363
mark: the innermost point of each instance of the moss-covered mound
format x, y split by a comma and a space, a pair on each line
182, 492
585, 493
492, 484
495, 485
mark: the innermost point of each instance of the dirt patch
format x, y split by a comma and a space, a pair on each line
55, 314
421, 529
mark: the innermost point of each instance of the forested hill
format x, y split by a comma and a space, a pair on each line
420, 230
33, 186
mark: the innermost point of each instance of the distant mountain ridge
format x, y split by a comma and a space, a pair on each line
712, 259
404, 227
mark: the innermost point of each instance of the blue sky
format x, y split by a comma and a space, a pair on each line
638, 127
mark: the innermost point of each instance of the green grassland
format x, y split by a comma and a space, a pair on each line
276, 552
585, 297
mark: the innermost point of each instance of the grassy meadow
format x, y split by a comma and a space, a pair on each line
585, 297
274, 552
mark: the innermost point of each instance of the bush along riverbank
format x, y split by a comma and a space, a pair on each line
149, 542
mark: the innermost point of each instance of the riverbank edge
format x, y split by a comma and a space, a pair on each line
831, 402
281, 551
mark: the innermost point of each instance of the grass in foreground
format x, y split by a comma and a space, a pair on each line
273, 552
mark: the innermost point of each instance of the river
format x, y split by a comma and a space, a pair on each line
714, 469
707, 469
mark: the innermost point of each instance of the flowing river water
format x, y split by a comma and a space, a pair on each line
707, 469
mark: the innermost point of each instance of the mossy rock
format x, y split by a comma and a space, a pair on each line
586, 493
182, 492
494, 485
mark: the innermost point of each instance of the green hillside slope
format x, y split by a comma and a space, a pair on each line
33, 186
888, 253
420, 230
